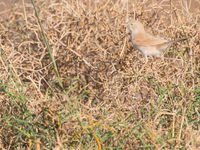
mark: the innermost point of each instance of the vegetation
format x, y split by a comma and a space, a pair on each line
70, 78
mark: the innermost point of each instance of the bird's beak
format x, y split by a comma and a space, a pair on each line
127, 22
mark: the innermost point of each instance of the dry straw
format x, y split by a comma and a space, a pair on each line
110, 98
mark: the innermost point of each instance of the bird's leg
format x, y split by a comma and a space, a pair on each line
146, 58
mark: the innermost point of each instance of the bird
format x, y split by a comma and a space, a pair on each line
146, 43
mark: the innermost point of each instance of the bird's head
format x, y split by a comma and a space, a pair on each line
135, 27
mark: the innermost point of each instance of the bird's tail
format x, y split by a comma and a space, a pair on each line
163, 46
179, 40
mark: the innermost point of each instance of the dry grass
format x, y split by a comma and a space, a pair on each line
109, 97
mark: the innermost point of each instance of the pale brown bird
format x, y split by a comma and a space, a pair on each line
146, 43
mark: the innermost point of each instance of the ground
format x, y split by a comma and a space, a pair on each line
89, 88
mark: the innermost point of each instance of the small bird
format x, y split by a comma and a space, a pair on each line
147, 44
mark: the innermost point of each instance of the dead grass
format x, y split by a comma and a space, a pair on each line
111, 98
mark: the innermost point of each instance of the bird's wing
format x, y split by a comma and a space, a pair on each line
148, 40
